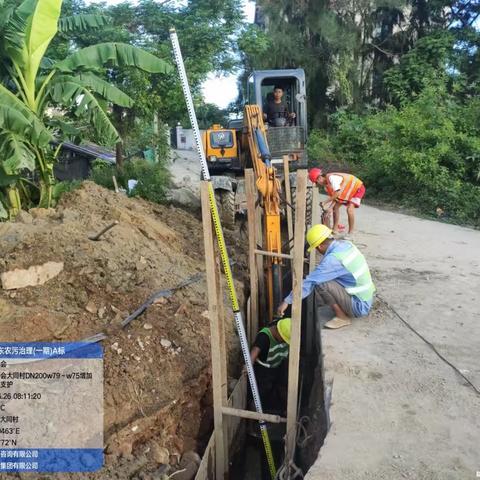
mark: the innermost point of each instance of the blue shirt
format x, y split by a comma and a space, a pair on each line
330, 268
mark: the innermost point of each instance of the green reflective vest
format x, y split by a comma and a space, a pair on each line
356, 264
277, 351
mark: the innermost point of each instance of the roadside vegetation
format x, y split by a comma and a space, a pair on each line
78, 72
33, 83
393, 94
393, 90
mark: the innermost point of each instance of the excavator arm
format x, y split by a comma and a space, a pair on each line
269, 188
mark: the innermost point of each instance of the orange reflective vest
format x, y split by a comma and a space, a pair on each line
348, 188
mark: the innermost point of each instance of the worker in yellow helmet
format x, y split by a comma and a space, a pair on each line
341, 280
269, 356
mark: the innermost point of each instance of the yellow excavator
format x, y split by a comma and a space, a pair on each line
251, 143
230, 146
269, 187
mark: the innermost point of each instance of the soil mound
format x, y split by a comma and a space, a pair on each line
157, 369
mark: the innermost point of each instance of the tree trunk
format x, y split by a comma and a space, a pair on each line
119, 154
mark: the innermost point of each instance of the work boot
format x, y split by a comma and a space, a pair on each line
337, 322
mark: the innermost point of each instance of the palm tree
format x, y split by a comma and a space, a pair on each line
30, 83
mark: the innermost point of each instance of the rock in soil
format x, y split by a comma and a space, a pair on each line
30, 277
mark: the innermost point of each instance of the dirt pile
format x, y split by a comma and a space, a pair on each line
157, 369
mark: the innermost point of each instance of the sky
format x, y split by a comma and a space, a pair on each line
223, 90
218, 90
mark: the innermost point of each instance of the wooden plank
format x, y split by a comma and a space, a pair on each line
221, 330
237, 412
273, 254
235, 429
221, 456
115, 184
288, 197
309, 327
294, 354
251, 194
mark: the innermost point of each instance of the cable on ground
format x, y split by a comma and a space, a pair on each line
432, 347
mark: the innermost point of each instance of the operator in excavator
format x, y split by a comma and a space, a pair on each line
276, 111
341, 280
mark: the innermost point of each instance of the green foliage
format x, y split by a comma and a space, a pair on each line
425, 64
424, 154
64, 187
344, 47
207, 31
142, 136
112, 55
320, 149
209, 114
396, 86
82, 23
30, 83
153, 179
103, 172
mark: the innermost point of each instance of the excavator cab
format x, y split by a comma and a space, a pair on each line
230, 150
286, 134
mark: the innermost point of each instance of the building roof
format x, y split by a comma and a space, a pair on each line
91, 150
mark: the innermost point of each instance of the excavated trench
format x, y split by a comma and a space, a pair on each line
250, 462
247, 458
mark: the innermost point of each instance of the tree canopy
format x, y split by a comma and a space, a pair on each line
393, 88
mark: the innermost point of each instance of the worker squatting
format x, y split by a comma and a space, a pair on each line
341, 280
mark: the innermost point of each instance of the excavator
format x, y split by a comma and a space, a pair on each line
228, 149
251, 143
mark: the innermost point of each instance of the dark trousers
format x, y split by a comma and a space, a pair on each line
272, 387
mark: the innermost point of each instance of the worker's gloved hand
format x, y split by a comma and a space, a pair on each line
293, 115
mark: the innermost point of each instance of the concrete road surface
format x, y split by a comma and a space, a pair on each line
398, 410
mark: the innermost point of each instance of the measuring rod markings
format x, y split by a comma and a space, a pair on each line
223, 250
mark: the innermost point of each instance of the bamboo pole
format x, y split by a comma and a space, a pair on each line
288, 197
294, 354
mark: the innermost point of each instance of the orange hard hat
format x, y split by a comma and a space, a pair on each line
314, 173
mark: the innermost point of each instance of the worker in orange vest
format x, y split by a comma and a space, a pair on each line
343, 189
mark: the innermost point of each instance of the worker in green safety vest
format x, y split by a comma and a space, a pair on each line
341, 280
269, 356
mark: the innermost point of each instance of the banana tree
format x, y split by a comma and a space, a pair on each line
30, 83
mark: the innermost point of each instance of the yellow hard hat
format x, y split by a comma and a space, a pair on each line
316, 235
283, 326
